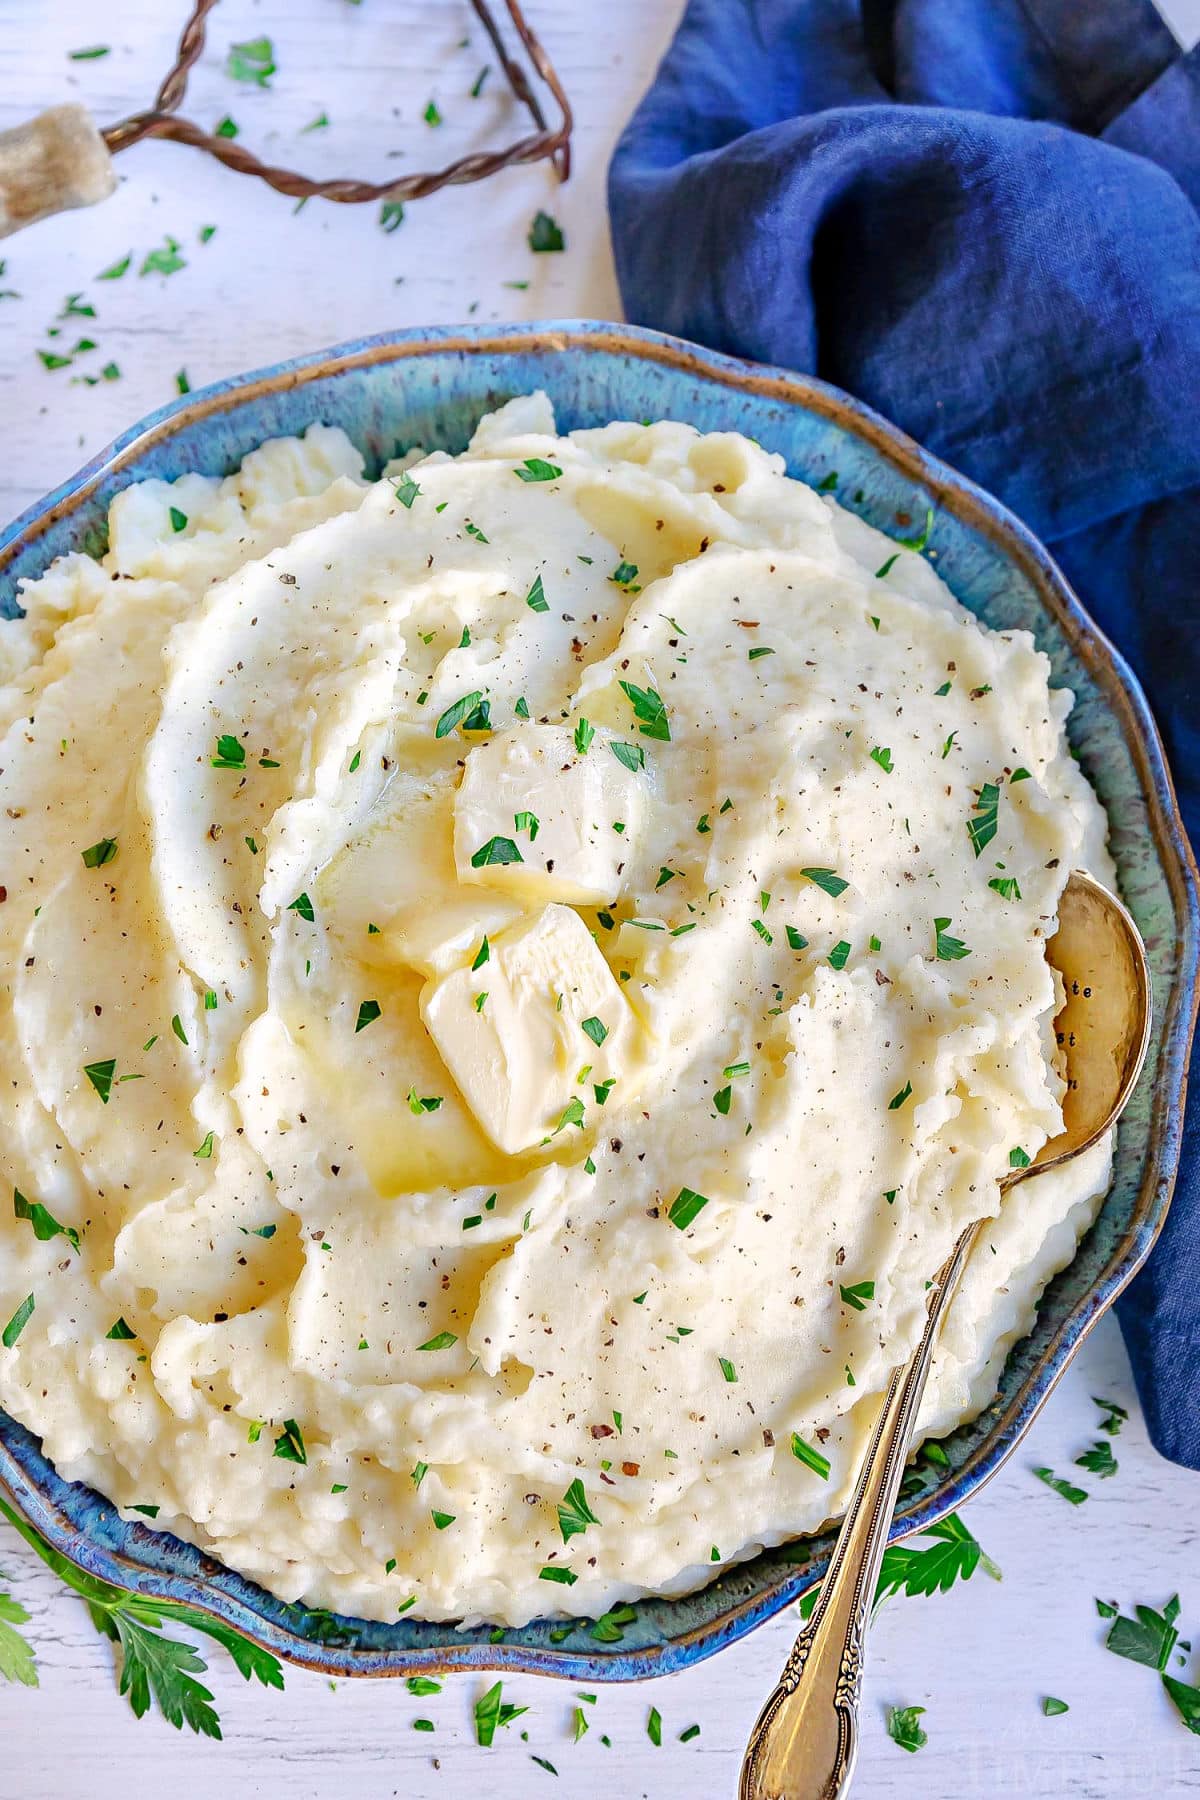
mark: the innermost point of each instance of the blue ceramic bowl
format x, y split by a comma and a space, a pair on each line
429, 388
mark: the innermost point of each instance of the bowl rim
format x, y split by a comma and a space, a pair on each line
208, 1588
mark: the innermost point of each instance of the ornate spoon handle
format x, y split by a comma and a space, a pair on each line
805, 1741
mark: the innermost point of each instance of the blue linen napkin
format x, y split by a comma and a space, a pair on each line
979, 216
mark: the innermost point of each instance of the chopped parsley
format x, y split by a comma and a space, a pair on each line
431, 115
826, 880
442, 1519
442, 1341
903, 1728
252, 61
949, 949
304, 906
536, 468
1007, 886
230, 753
839, 954
796, 939
483, 953
1018, 1158
115, 270
368, 1012
919, 541
632, 756
686, 1207
544, 234
982, 828
96, 855
648, 709
418, 1105
100, 1074
654, 1727
760, 650
456, 714
584, 733
165, 261
289, 1445
1116, 1415
555, 1572
527, 821
496, 850
1052, 1707
406, 491
897, 1100
1076, 1495
17, 1323
492, 1711
727, 1368
1099, 1460
391, 215
206, 1148
810, 1456
883, 757
574, 1513
45, 1225
858, 1295
624, 575
536, 599
595, 1029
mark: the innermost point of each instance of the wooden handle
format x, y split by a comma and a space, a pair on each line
805, 1741
51, 164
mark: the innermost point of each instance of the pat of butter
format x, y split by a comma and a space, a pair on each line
573, 851
517, 1056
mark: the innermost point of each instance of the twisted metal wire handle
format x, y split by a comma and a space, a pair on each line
554, 142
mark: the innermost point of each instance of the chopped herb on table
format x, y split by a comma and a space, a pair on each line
253, 61
544, 234
903, 1728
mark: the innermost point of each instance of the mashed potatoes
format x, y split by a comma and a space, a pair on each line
514, 978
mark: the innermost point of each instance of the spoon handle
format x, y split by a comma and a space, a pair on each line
805, 1740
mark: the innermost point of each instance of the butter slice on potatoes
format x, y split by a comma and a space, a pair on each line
575, 852
517, 1056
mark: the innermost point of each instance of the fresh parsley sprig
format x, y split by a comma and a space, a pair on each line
154, 1667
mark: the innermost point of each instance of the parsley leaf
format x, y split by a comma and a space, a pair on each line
368, 1012
903, 1728
574, 1513
406, 491
982, 828
810, 1456
595, 1029
454, 715
544, 234
953, 1556
919, 541
584, 733
826, 880
1149, 1638
949, 949
536, 599
686, 1207
230, 753
1099, 1460
1076, 1495
100, 1074
897, 1100
632, 756
1116, 1415
289, 1445
496, 850
45, 1225
252, 61
155, 1667
304, 906
536, 468
16, 1656
1052, 1707
858, 1295
648, 709
17, 1323
96, 855
883, 758
491, 1711
442, 1341
165, 261
391, 215
1007, 886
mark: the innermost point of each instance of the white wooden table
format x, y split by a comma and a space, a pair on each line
271, 284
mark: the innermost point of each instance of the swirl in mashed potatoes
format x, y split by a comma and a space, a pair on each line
515, 976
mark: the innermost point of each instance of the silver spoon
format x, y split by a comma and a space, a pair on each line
804, 1744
